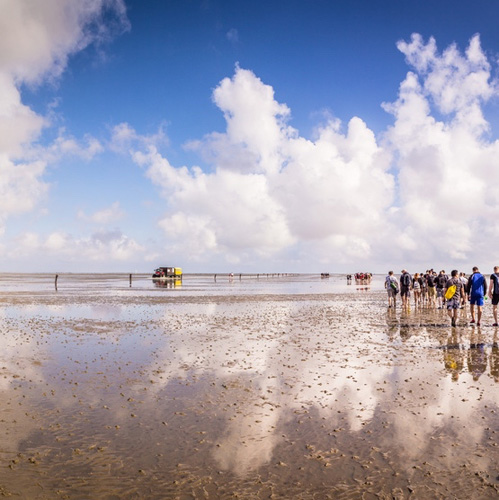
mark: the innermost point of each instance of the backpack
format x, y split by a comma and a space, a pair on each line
451, 291
441, 280
406, 279
431, 281
394, 287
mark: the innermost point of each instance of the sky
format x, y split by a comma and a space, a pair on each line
230, 136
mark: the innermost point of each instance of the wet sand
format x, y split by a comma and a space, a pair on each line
243, 392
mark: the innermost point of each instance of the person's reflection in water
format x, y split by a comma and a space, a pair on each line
494, 358
392, 323
454, 355
477, 356
405, 327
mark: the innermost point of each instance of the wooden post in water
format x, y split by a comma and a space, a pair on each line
130, 280
56, 278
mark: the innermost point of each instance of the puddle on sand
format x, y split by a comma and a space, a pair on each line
325, 397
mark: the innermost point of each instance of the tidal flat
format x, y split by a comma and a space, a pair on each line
252, 388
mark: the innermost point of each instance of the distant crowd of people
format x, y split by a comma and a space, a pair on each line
363, 276
438, 290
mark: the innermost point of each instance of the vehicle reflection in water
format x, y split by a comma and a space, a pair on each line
167, 283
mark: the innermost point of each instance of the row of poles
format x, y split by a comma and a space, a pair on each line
257, 276
230, 276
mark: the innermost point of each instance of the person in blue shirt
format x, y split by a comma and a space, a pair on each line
476, 289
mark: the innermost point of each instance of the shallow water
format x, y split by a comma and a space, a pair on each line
191, 284
283, 387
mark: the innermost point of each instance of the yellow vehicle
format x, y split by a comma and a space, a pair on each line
167, 272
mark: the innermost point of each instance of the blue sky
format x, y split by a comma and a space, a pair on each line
222, 136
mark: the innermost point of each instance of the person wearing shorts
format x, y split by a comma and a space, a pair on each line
416, 288
391, 286
430, 282
405, 288
494, 292
464, 281
424, 289
441, 281
477, 288
454, 303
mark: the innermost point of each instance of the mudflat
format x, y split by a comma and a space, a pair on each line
291, 387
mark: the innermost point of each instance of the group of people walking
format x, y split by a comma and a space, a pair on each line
439, 290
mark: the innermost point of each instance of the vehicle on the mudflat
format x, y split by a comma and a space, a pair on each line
167, 272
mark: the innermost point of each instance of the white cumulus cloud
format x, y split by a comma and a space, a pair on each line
271, 190
447, 167
423, 191
38, 37
102, 246
37, 40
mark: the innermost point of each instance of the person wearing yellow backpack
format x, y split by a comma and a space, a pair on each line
454, 290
